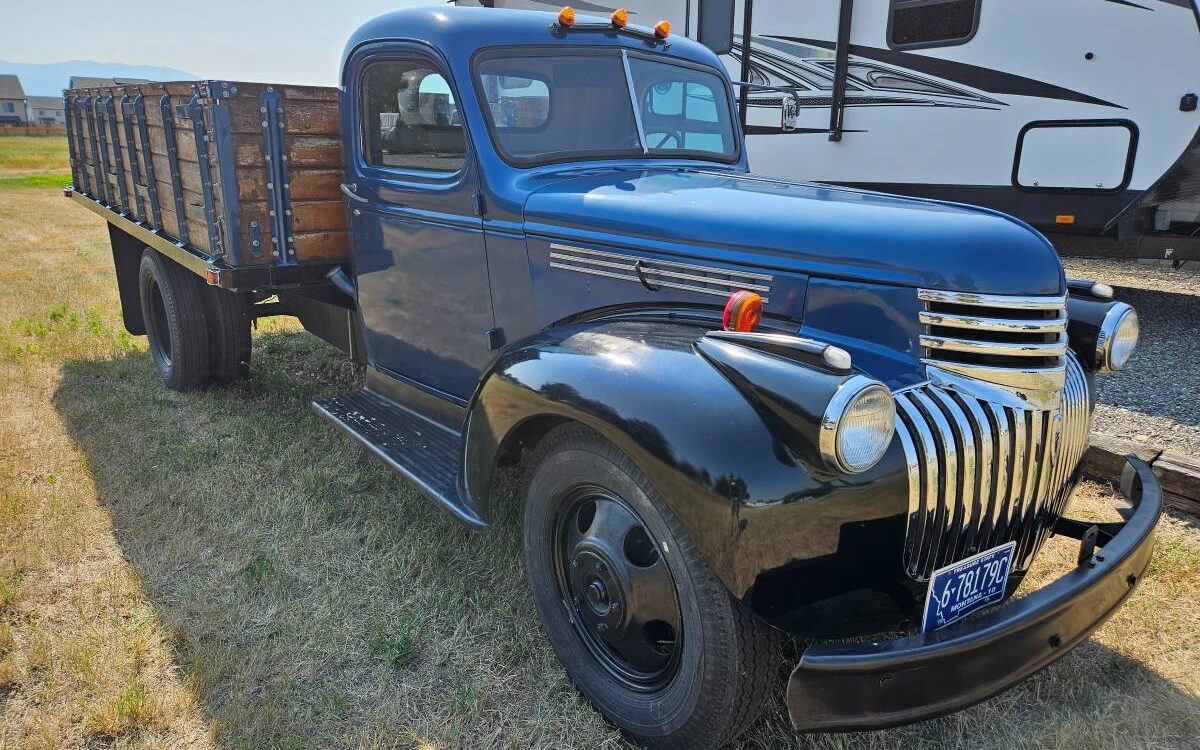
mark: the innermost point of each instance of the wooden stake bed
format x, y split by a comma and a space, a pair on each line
242, 175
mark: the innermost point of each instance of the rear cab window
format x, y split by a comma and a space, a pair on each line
410, 119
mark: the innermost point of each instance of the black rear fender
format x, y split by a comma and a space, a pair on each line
127, 257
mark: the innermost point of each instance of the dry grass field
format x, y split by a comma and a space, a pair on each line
223, 570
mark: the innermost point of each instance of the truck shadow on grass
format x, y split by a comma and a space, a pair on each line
313, 599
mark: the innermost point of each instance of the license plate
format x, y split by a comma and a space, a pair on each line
959, 589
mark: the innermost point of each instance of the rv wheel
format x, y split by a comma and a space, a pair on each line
644, 629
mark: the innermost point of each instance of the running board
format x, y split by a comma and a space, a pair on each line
426, 453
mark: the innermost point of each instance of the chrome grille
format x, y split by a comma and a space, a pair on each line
983, 472
1010, 341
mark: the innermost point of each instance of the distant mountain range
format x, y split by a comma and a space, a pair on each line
49, 79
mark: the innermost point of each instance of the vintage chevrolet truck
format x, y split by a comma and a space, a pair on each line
744, 406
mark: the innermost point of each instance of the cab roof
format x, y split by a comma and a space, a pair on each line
459, 32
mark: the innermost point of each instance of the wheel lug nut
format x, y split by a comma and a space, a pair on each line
616, 606
601, 628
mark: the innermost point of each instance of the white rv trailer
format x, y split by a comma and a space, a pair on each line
1079, 116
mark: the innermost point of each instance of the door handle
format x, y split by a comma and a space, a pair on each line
349, 192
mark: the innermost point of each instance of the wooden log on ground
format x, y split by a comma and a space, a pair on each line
1105, 456
1178, 475
1180, 479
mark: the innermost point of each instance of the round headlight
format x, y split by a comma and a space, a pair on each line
1118, 337
858, 425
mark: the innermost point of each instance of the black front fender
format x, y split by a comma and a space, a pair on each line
760, 510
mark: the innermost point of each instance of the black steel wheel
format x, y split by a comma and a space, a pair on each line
176, 325
620, 591
640, 623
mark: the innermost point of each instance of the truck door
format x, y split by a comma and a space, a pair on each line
419, 254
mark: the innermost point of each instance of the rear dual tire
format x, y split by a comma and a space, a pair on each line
198, 334
595, 531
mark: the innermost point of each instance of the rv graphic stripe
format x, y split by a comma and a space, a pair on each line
984, 79
1131, 5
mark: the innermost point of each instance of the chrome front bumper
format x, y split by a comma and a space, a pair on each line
881, 684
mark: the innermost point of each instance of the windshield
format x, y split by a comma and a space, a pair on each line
578, 105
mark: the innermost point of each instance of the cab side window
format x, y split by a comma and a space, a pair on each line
410, 119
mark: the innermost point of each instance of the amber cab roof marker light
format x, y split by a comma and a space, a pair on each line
618, 21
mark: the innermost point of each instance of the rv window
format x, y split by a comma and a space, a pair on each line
410, 119
916, 24
716, 25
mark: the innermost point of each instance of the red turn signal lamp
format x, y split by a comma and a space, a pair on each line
620, 18
566, 16
743, 312
662, 29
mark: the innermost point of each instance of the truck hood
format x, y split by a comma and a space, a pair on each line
818, 230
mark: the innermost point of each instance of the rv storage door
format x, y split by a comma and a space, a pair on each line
1095, 155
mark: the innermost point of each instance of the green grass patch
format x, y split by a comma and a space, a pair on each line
58, 181
8, 589
258, 569
33, 155
399, 647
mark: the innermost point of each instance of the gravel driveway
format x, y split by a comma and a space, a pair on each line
1156, 399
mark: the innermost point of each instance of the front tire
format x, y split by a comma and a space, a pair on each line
644, 629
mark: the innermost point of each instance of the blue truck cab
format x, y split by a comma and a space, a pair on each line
743, 406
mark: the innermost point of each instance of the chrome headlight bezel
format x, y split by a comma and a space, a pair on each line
1114, 331
850, 394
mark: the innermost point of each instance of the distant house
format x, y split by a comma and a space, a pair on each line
88, 82
13, 103
46, 110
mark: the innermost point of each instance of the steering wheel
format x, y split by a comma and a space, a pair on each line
669, 135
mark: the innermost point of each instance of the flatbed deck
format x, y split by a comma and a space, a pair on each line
238, 182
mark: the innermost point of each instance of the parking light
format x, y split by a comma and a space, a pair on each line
743, 312
566, 16
662, 29
620, 18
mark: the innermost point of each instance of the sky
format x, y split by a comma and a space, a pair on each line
281, 41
